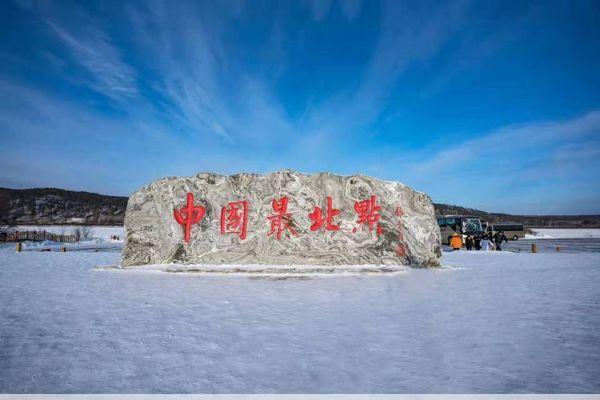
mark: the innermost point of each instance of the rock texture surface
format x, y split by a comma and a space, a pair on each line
408, 231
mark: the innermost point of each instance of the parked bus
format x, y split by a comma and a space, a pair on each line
511, 231
462, 224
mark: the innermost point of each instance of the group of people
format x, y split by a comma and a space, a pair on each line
485, 241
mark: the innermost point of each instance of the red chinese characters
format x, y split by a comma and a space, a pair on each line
282, 220
234, 218
317, 217
368, 213
188, 216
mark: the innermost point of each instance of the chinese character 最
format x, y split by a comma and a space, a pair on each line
282, 220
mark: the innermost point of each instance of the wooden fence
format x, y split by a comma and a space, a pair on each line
37, 236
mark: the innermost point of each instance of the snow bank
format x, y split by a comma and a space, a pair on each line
548, 233
268, 271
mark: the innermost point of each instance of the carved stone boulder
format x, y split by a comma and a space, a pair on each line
282, 218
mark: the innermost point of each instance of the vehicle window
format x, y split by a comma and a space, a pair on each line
450, 221
471, 225
441, 222
506, 228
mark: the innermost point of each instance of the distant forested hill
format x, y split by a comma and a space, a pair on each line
531, 221
58, 206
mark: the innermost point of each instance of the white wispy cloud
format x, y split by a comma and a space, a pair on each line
190, 103
202, 91
91, 47
504, 144
88, 45
408, 35
47, 141
190, 65
528, 161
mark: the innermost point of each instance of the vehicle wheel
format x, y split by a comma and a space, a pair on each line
515, 237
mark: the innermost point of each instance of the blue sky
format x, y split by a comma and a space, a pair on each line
488, 105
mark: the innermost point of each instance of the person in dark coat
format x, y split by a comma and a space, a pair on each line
477, 242
469, 242
499, 237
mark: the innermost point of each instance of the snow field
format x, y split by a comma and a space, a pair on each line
488, 322
101, 233
548, 233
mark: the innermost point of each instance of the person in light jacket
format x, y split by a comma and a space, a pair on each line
486, 243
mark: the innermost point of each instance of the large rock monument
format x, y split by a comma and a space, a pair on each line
282, 218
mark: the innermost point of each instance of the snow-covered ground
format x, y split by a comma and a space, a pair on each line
97, 238
548, 233
103, 233
489, 322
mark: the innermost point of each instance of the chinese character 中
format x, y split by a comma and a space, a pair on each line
188, 216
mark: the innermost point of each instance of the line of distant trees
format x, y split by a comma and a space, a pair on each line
530, 221
58, 207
